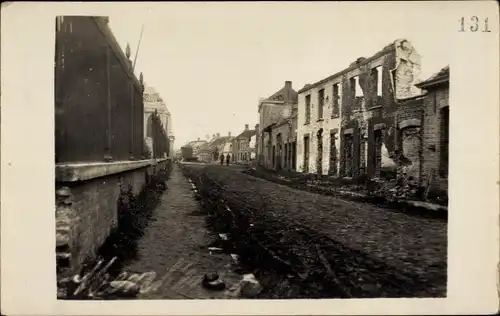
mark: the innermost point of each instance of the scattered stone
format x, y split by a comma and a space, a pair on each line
145, 281
134, 278
236, 258
124, 288
122, 276
212, 282
250, 287
153, 287
223, 236
209, 277
215, 249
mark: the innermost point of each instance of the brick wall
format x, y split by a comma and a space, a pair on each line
432, 136
372, 111
409, 139
87, 212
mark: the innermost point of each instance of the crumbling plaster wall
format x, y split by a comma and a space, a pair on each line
328, 123
400, 71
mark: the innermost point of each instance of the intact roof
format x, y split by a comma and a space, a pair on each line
359, 61
442, 76
247, 134
204, 147
286, 94
219, 141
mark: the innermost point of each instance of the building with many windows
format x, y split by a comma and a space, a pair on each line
347, 122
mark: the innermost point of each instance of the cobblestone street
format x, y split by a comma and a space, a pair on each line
297, 244
367, 251
175, 246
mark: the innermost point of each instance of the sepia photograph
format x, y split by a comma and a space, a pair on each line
332, 188
261, 151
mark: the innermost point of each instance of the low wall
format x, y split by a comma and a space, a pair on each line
88, 201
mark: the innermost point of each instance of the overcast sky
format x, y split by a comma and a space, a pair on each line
212, 61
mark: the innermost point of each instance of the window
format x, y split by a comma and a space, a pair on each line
377, 80
321, 101
358, 92
308, 109
335, 100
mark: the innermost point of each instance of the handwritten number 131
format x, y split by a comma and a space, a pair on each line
474, 25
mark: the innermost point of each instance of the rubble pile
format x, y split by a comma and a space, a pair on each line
390, 193
393, 190
98, 284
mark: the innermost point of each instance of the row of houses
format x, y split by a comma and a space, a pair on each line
374, 118
235, 149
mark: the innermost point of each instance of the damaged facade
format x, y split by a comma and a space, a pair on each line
358, 105
319, 126
277, 137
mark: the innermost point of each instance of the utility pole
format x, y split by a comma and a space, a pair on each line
137, 51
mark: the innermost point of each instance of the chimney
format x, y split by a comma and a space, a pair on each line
246, 127
218, 135
288, 84
229, 134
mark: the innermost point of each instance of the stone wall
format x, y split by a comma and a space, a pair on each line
88, 199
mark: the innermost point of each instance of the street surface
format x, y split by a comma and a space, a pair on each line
298, 244
175, 246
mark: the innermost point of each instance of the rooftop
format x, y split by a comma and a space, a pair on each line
285, 94
247, 134
442, 76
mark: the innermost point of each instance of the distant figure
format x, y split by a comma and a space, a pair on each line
227, 160
221, 160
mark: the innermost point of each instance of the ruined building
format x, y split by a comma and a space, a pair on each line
276, 137
350, 118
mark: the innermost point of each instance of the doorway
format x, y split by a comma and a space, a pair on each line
306, 154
